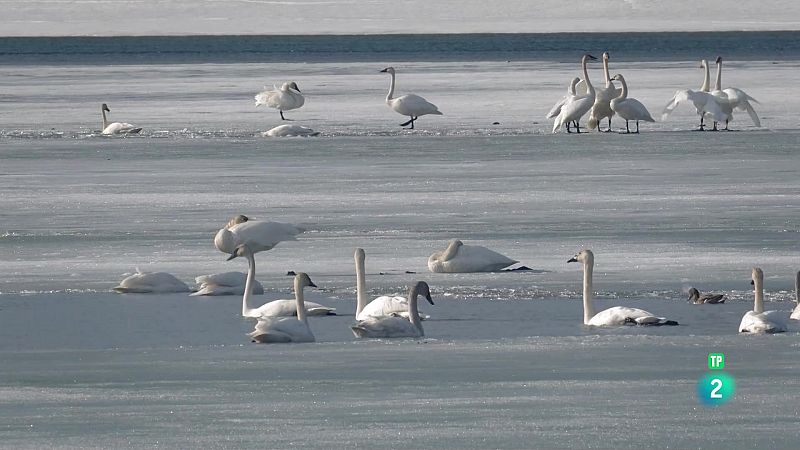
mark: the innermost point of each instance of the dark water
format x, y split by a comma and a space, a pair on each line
779, 45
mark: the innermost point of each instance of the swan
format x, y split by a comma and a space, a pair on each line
796, 313
460, 258
602, 102
275, 308
151, 283
394, 325
116, 127
556, 109
289, 130
628, 108
227, 283
273, 330
758, 320
614, 316
704, 103
699, 299
258, 235
410, 105
733, 98
381, 306
285, 98
574, 110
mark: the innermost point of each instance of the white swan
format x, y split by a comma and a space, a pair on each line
460, 258
227, 283
258, 235
410, 105
796, 313
396, 326
699, 299
733, 98
614, 316
151, 283
602, 102
116, 127
275, 308
628, 108
758, 320
556, 109
580, 105
381, 306
704, 103
289, 131
285, 98
274, 330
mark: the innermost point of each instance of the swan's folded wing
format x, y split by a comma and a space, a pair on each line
556, 109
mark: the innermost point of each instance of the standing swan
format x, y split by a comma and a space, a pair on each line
410, 105
258, 235
285, 98
460, 258
758, 320
602, 102
796, 313
116, 127
704, 103
733, 98
381, 306
556, 109
395, 326
614, 316
574, 110
628, 108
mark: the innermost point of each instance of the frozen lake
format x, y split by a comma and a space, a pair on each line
506, 362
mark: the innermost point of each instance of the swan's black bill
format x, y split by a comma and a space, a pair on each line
573, 259
233, 255
752, 283
311, 284
429, 299
383, 71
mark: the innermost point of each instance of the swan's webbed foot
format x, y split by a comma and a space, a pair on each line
410, 121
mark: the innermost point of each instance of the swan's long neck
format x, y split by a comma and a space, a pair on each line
105, 120
391, 89
797, 288
624, 94
718, 82
451, 251
706, 79
248, 285
589, 87
361, 285
758, 283
605, 72
413, 310
571, 89
300, 299
588, 308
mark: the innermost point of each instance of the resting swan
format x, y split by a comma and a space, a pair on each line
614, 316
758, 320
258, 235
410, 105
796, 313
275, 308
460, 258
285, 98
704, 103
700, 299
151, 283
628, 108
116, 127
602, 102
395, 326
290, 131
273, 330
574, 110
227, 283
381, 306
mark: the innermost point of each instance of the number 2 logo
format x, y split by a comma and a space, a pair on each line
715, 392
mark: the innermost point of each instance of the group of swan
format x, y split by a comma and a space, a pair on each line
718, 104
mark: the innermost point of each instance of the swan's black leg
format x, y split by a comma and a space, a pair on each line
567, 125
726, 125
410, 121
627, 130
637, 127
715, 126
577, 127
282, 118
702, 125
609, 124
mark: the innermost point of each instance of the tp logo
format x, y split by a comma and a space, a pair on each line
715, 387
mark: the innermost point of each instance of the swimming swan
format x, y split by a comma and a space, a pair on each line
151, 283
290, 131
227, 283
285, 98
796, 313
258, 235
395, 326
275, 308
733, 98
116, 127
381, 306
758, 320
556, 109
704, 103
628, 108
602, 102
410, 105
614, 316
699, 299
574, 110
274, 330
460, 258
